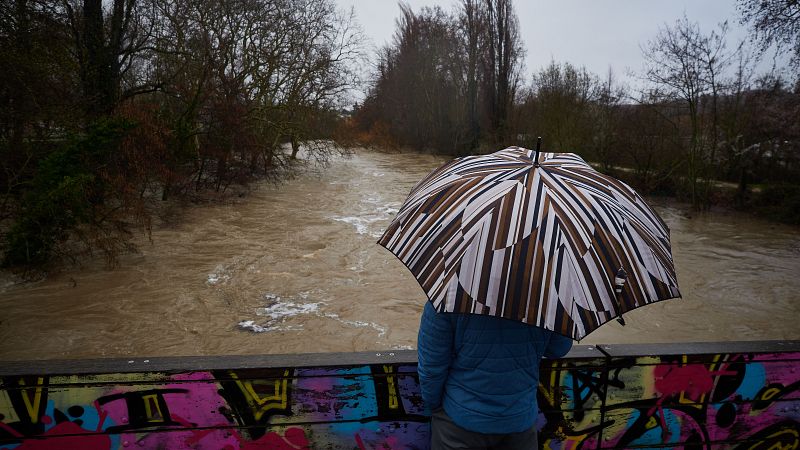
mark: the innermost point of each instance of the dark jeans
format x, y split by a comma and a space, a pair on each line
445, 434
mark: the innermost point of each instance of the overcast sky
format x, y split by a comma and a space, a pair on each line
597, 34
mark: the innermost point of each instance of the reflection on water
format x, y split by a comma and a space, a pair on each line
295, 268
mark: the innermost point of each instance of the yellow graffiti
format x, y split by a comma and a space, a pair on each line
770, 393
259, 404
565, 442
390, 380
32, 407
152, 409
688, 401
781, 437
642, 375
646, 379
549, 391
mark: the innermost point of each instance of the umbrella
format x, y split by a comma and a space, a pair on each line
541, 238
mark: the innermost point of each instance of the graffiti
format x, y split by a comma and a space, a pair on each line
698, 401
731, 400
255, 397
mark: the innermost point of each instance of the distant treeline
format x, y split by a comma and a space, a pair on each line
451, 82
109, 107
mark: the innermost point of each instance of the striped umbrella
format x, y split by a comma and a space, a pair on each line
540, 238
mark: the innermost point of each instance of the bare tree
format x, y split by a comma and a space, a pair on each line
154, 97
684, 65
774, 22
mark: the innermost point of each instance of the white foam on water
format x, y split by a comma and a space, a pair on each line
214, 279
220, 275
360, 223
363, 224
377, 209
278, 311
379, 204
358, 324
255, 328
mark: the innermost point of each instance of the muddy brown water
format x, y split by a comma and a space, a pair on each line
295, 268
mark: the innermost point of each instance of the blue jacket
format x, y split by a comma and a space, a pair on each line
483, 370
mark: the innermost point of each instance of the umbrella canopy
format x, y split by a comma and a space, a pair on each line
536, 241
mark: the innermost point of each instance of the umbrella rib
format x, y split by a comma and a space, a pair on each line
568, 191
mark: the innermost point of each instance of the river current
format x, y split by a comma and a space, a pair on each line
295, 268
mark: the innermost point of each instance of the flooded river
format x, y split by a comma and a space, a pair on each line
295, 268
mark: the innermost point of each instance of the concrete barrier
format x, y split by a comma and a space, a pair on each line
703, 395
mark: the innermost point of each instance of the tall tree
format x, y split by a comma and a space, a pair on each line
503, 60
107, 41
473, 27
419, 89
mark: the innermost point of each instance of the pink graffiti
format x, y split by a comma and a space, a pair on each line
293, 438
200, 406
693, 380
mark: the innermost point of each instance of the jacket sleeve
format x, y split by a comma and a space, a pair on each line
557, 346
434, 354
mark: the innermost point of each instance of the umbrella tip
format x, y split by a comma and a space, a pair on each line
538, 148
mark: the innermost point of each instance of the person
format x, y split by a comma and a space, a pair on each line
479, 376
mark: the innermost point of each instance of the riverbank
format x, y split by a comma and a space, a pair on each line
779, 203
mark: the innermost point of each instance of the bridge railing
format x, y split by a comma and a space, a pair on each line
698, 395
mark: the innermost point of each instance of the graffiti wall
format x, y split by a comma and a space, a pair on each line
719, 400
733, 400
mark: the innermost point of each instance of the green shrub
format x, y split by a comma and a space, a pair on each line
66, 192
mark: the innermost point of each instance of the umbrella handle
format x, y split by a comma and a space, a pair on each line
619, 284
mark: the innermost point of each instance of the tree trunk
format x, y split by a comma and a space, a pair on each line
100, 71
295, 146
